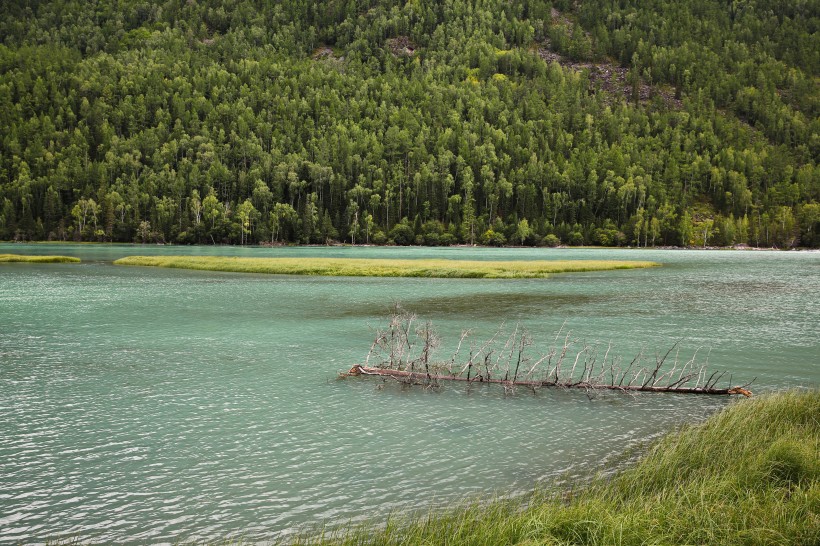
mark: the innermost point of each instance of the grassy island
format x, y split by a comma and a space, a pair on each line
354, 267
37, 259
748, 475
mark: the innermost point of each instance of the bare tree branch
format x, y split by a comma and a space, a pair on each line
401, 349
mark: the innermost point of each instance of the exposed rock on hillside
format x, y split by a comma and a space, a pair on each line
401, 46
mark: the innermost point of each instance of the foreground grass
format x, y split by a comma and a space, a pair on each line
37, 259
749, 475
354, 267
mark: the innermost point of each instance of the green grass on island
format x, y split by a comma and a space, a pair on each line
749, 475
355, 267
37, 259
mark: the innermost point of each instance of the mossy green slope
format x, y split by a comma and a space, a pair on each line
353, 267
37, 259
749, 475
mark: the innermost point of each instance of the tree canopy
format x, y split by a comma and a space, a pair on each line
660, 122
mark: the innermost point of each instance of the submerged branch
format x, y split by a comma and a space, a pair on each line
406, 355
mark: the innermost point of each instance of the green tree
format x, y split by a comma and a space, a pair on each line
211, 209
283, 220
85, 211
247, 216
523, 231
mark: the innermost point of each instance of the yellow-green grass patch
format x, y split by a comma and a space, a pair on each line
357, 267
37, 259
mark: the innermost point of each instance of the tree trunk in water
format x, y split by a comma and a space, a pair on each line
422, 378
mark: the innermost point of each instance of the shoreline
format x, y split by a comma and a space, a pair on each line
738, 248
749, 473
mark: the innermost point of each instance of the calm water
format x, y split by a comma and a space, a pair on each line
149, 405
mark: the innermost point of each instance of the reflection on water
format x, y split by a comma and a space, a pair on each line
152, 405
481, 305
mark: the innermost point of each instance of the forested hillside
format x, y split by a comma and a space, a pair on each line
636, 122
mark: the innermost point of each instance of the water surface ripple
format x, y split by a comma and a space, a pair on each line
152, 406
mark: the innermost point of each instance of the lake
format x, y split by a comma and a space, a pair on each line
156, 405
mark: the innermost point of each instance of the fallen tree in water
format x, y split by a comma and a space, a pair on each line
404, 351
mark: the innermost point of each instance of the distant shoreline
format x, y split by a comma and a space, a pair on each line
741, 248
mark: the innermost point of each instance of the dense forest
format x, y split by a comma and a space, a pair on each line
496, 122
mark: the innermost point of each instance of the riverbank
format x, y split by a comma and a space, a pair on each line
360, 267
748, 475
23, 258
338, 244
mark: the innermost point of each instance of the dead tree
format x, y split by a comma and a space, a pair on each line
404, 351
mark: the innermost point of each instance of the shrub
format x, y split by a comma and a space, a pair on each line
403, 234
493, 238
447, 239
378, 237
576, 238
551, 240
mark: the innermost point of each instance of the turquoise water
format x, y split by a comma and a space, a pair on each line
147, 405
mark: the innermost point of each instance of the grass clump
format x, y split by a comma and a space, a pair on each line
355, 267
37, 259
790, 463
749, 475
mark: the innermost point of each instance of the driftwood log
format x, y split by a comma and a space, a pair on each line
421, 379
404, 351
